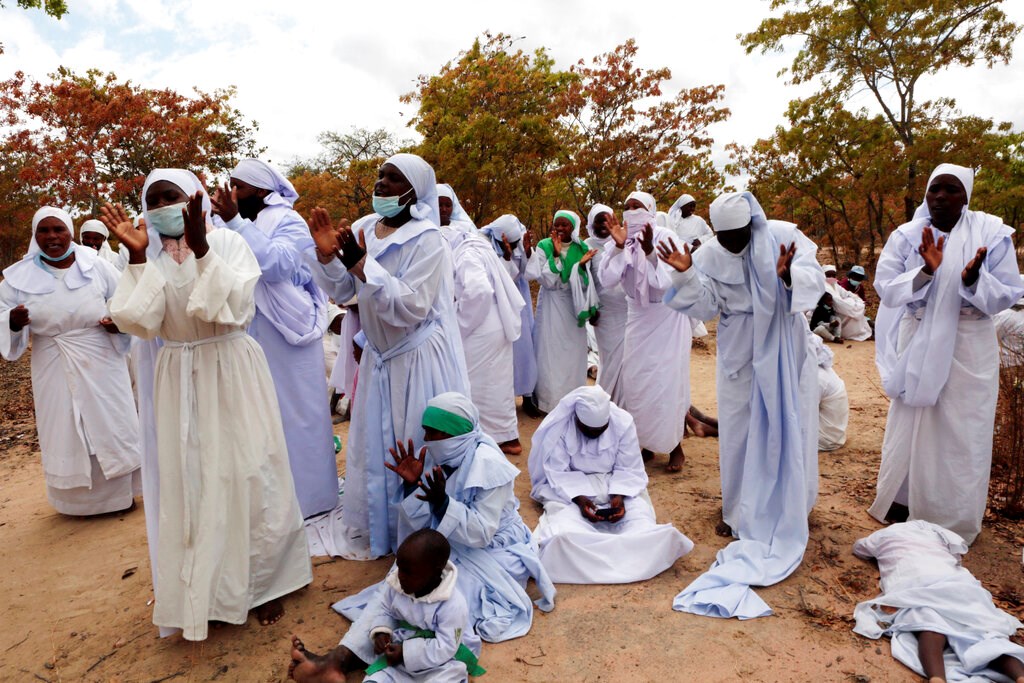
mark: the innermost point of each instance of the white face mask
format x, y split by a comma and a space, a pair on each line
831, 280
167, 220
636, 219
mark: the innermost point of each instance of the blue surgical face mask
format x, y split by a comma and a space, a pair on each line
167, 220
389, 207
71, 248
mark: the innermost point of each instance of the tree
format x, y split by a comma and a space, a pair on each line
490, 127
887, 47
54, 8
623, 134
84, 140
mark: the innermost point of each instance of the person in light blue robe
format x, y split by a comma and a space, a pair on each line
462, 486
759, 276
291, 317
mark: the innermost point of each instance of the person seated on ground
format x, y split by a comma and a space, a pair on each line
854, 323
824, 321
929, 600
854, 281
598, 524
420, 631
833, 401
466, 492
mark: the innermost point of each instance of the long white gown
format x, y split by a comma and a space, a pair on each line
230, 530
488, 306
833, 401
290, 320
656, 369
767, 409
564, 464
85, 416
610, 329
413, 353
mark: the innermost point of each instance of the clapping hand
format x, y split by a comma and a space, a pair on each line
433, 486
407, 465
135, 240
647, 239
670, 254
930, 250
195, 225
785, 261
19, 318
618, 232
973, 270
324, 235
225, 202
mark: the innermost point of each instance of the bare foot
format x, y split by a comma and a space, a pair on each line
646, 455
269, 612
897, 513
723, 529
695, 426
307, 667
512, 447
675, 460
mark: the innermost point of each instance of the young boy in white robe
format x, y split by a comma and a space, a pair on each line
941, 278
290, 320
598, 524
230, 536
759, 276
943, 623
420, 630
465, 490
567, 299
656, 368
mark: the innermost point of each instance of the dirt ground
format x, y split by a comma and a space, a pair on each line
78, 593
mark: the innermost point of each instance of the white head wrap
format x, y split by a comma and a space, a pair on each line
675, 213
264, 176
592, 215
827, 267
592, 406
420, 175
186, 181
573, 218
505, 226
962, 173
459, 214
93, 225
455, 403
37, 218
661, 218
644, 198
730, 211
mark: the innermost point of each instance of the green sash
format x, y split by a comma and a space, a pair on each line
463, 654
572, 257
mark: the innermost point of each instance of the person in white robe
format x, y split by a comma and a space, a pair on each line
332, 338
343, 375
94, 234
598, 524
941, 278
230, 536
610, 321
567, 299
455, 223
759, 277
56, 296
511, 242
942, 622
693, 230
418, 632
400, 266
488, 306
1010, 333
656, 367
833, 401
290, 320
854, 325
461, 485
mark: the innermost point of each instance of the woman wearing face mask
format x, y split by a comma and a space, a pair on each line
85, 415
230, 538
462, 486
567, 299
400, 266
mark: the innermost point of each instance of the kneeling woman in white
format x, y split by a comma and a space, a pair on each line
598, 524
85, 414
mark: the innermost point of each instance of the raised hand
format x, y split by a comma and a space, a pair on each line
930, 250
109, 325
786, 255
19, 318
588, 257
433, 486
506, 248
325, 237
670, 254
407, 465
647, 239
225, 202
587, 508
973, 270
119, 223
353, 249
195, 225
556, 242
618, 232
528, 243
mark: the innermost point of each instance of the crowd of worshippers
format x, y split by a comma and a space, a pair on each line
419, 326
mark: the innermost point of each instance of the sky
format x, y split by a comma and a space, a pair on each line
308, 66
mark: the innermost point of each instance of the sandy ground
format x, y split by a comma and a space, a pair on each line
78, 596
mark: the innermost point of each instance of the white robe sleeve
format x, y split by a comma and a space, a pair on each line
405, 300
137, 306
283, 253
420, 655
12, 344
474, 294
337, 282
893, 282
565, 481
806, 277
612, 267
537, 268
223, 291
691, 294
998, 283
384, 620
472, 526
629, 477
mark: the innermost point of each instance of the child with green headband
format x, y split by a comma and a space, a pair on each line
568, 298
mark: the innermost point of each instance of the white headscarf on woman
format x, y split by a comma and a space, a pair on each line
264, 176
507, 226
459, 214
187, 182
29, 275
93, 225
420, 175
